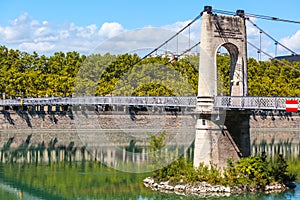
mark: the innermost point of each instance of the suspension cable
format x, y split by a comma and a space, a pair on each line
271, 18
224, 12
280, 61
276, 41
166, 42
257, 16
170, 60
176, 34
247, 16
184, 52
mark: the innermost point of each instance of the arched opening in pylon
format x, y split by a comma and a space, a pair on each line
226, 56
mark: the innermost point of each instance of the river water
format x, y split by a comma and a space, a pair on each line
68, 174
86, 179
89, 180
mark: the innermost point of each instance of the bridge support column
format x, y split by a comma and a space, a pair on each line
216, 143
218, 140
237, 124
205, 141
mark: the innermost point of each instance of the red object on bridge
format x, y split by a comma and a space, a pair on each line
291, 106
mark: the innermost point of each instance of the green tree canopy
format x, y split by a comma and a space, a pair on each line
65, 74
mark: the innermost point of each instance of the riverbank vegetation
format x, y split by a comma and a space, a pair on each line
65, 74
249, 174
294, 167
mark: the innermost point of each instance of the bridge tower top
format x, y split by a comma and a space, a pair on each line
228, 32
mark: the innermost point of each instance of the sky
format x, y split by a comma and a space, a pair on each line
50, 26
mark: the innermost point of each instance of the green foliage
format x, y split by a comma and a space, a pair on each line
250, 172
157, 143
265, 78
66, 74
223, 84
180, 170
92, 69
153, 89
107, 82
294, 169
31, 75
279, 168
271, 78
188, 71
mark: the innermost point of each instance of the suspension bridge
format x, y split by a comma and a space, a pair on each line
225, 102
218, 29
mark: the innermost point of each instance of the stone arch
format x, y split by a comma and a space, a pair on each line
233, 53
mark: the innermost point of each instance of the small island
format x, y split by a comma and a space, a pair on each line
251, 174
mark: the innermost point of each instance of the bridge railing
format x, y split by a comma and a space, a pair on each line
105, 100
252, 103
225, 102
136, 100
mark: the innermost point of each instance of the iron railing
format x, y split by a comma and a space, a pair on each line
253, 103
224, 102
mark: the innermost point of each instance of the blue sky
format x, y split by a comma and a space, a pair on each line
77, 25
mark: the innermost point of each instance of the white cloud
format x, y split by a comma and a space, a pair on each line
41, 31
63, 34
143, 41
36, 46
292, 42
252, 31
83, 32
8, 33
193, 32
17, 30
23, 18
110, 29
50, 38
34, 23
28, 34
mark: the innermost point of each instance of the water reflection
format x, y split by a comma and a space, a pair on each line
106, 154
69, 172
70, 181
90, 180
275, 143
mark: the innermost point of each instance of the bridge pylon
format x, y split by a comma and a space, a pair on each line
228, 32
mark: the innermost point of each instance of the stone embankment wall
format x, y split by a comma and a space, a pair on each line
84, 126
275, 135
275, 128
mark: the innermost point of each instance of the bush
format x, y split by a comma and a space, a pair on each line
279, 170
251, 172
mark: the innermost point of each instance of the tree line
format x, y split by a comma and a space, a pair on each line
68, 74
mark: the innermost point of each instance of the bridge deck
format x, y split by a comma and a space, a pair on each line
222, 102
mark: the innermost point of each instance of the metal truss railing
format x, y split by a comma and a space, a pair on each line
107, 100
224, 102
253, 103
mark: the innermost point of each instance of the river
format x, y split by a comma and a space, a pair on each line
90, 180
72, 174
51, 178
